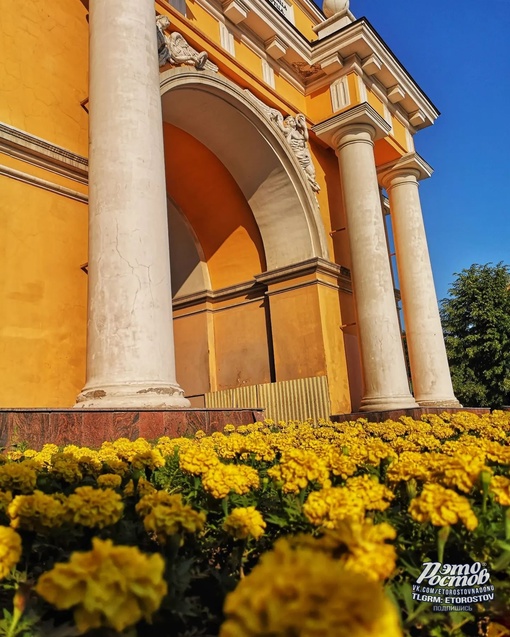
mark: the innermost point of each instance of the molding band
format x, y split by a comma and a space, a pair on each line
41, 153
43, 183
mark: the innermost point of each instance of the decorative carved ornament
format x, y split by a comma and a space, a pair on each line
173, 49
306, 70
296, 135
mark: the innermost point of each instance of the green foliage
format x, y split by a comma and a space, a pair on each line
476, 324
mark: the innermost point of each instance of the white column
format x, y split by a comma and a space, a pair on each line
430, 372
385, 379
130, 349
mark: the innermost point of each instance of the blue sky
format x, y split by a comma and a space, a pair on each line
459, 54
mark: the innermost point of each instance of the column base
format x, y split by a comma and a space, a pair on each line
452, 402
140, 396
381, 403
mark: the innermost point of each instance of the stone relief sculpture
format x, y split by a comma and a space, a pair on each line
173, 48
296, 134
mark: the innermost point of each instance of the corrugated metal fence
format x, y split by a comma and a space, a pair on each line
285, 400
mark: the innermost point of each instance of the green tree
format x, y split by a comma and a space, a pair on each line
476, 325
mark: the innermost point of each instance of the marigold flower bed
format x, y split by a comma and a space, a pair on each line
270, 529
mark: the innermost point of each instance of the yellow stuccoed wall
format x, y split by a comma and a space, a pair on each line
43, 291
44, 50
303, 22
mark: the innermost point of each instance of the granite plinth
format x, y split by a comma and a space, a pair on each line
395, 414
92, 427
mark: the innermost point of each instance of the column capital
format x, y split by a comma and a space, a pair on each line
358, 119
410, 167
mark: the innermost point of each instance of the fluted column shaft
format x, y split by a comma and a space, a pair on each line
385, 379
130, 349
430, 372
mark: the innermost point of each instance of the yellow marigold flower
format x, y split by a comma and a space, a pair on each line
221, 479
328, 506
29, 453
228, 447
442, 431
460, 471
387, 430
36, 512
244, 522
366, 549
302, 592
360, 546
500, 486
196, 461
156, 498
88, 459
378, 450
66, 467
144, 487
152, 459
116, 465
297, 468
109, 586
257, 444
375, 496
129, 489
442, 507
165, 520
165, 446
424, 441
127, 450
340, 464
44, 456
228, 429
5, 500
95, 508
200, 434
109, 481
409, 465
498, 453
15, 455
20, 477
10, 550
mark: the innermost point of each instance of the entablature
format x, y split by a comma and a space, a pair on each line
310, 65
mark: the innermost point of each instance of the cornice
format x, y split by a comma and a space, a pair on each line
360, 38
306, 60
310, 266
252, 288
255, 288
43, 154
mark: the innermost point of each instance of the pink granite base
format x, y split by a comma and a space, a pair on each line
394, 414
87, 427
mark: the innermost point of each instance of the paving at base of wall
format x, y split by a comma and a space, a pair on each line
91, 427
